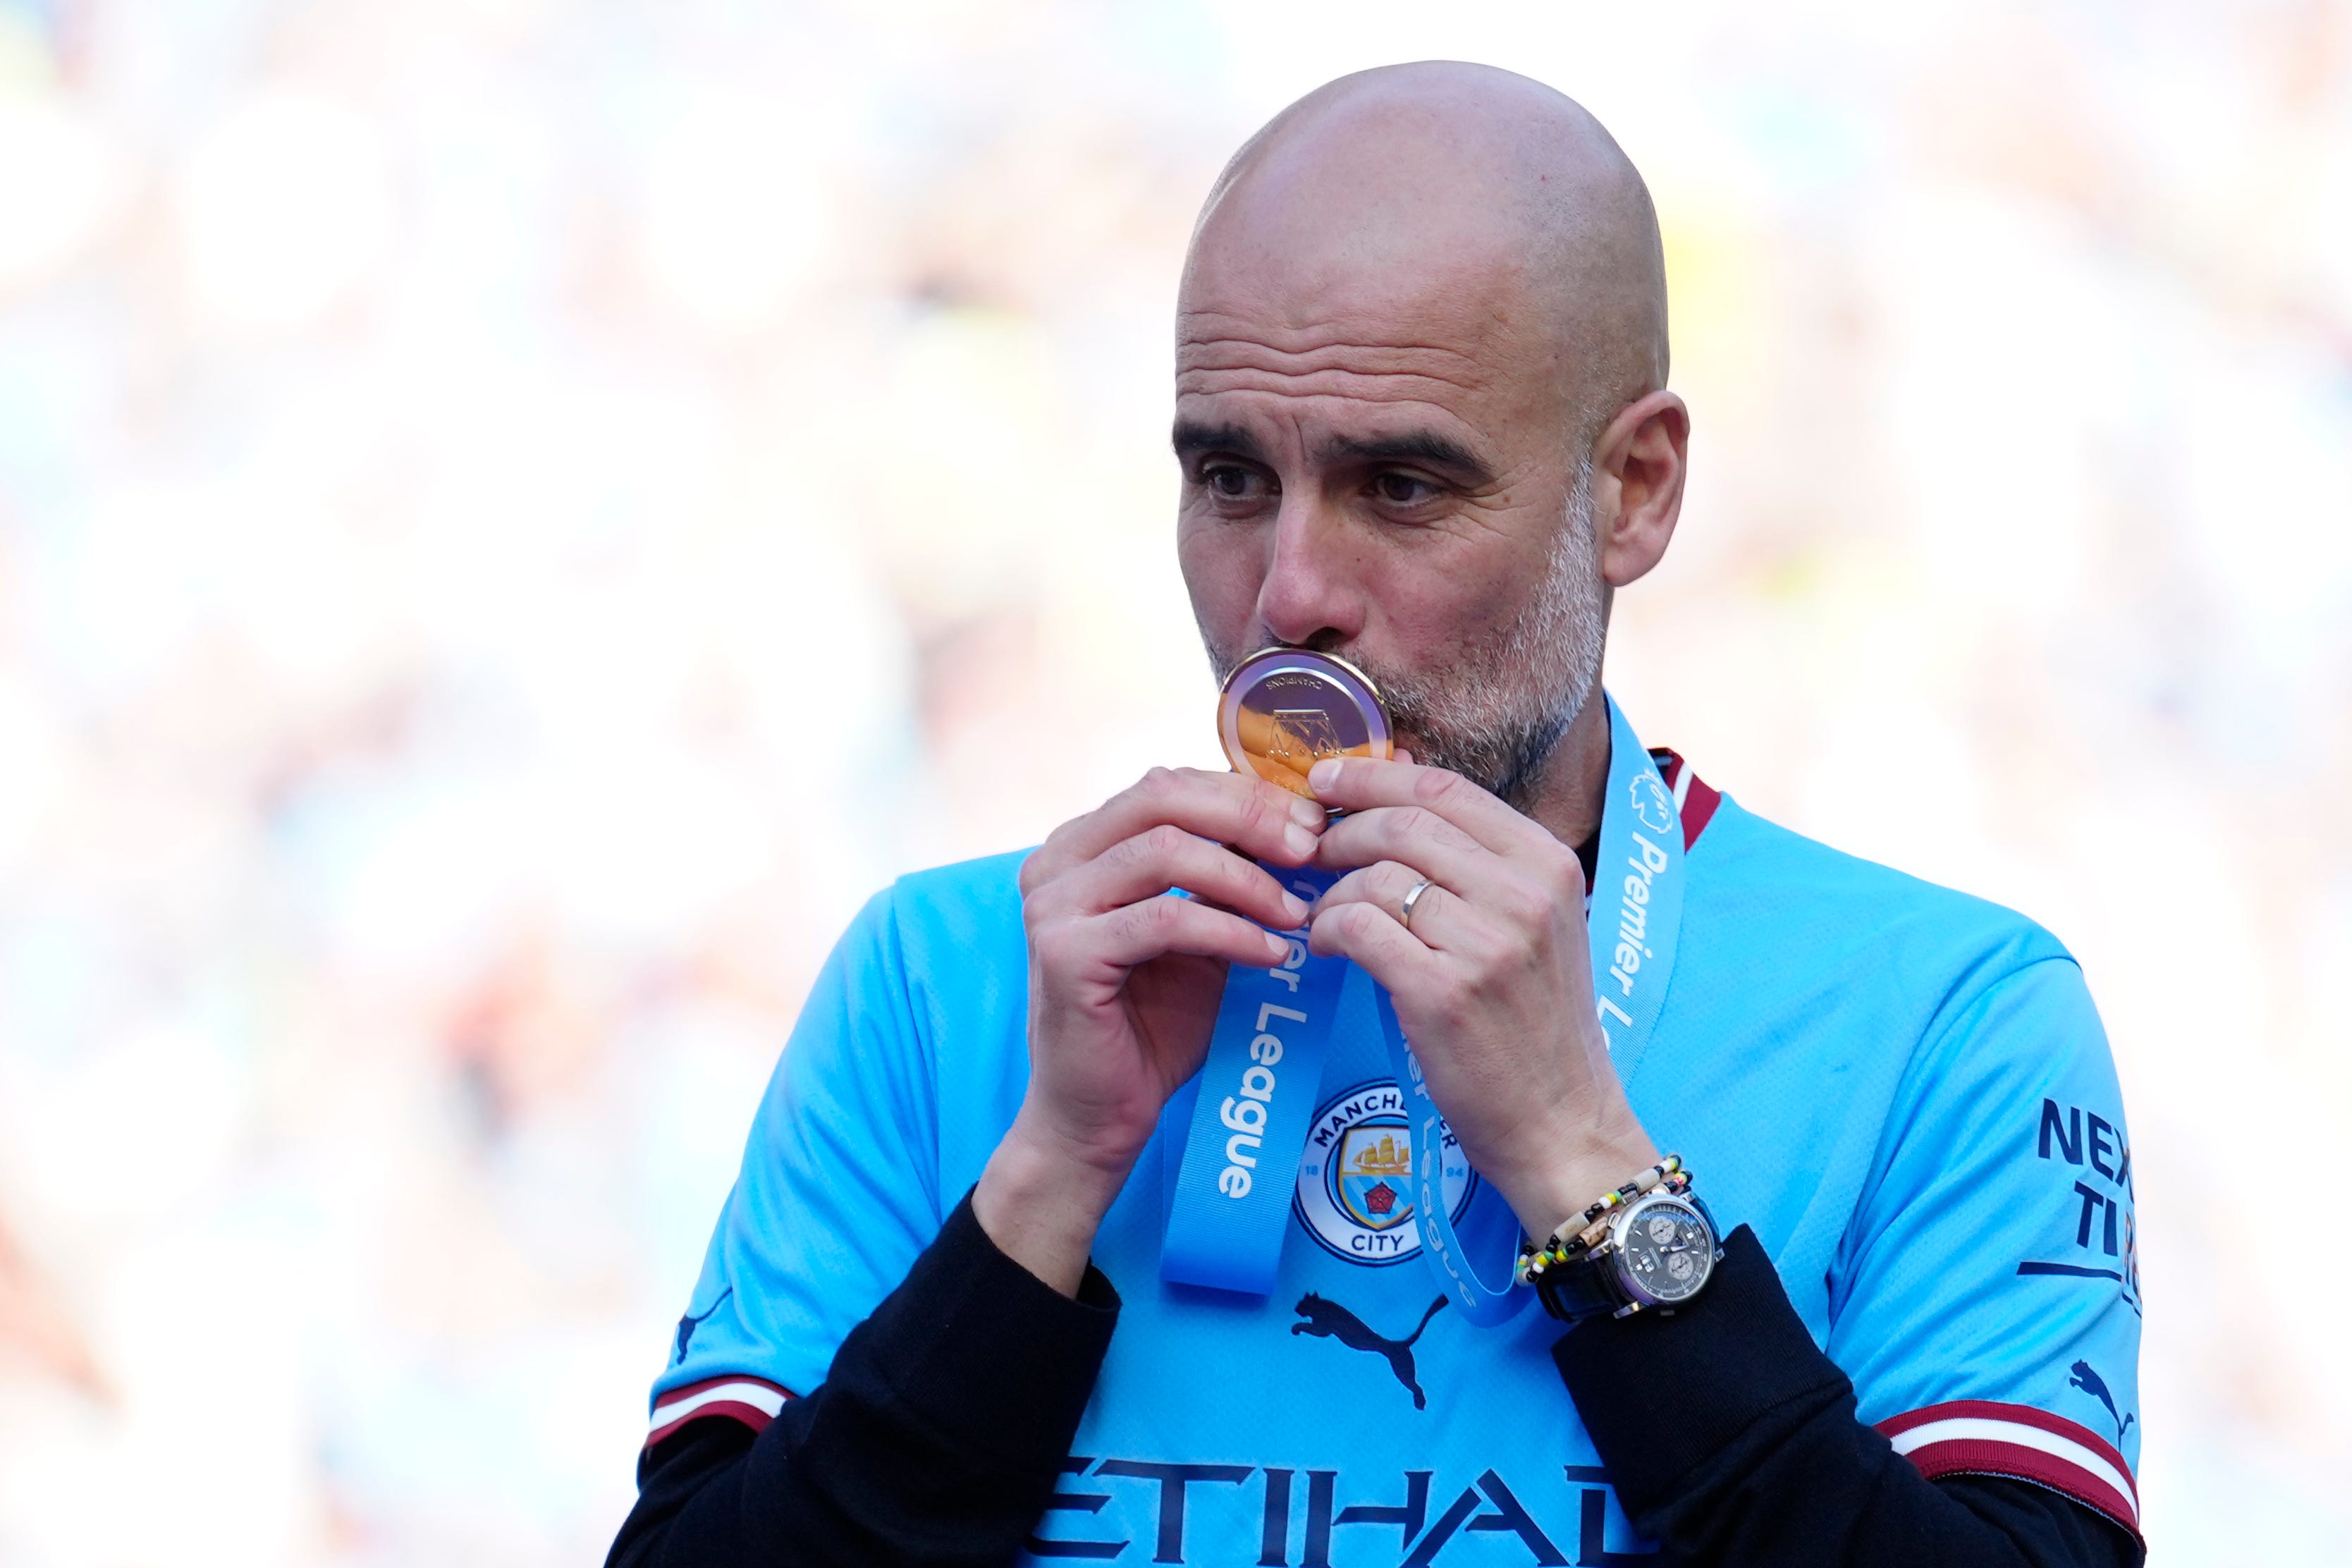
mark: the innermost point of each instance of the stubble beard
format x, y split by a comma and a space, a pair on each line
1512, 690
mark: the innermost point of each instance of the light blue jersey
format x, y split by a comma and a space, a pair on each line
1904, 1090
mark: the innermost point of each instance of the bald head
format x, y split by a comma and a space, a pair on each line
1463, 180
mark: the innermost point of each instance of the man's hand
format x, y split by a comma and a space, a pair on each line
1123, 988
1493, 981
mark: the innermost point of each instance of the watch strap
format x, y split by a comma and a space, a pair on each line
1584, 1287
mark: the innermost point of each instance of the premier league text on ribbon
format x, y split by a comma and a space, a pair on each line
1633, 925
1246, 1112
1226, 1220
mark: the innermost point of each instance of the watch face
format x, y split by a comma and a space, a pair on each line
1668, 1250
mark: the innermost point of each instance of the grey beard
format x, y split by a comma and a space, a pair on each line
1513, 691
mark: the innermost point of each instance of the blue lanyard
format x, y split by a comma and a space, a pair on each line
1255, 1104
1257, 1089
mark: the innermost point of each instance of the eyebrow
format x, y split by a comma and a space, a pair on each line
1193, 438
1425, 446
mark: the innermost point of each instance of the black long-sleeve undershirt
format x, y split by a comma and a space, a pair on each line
936, 1438
940, 1432
1732, 1440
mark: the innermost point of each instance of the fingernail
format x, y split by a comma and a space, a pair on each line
1294, 909
1277, 946
1323, 774
1306, 812
1301, 842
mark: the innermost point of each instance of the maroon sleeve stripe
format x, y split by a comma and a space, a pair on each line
1979, 1437
753, 1401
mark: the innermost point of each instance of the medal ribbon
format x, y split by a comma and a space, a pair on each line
1227, 1219
1257, 1100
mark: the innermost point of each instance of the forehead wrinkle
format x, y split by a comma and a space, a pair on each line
1376, 386
1204, 365
1242, 358
1465, 329
1205, 324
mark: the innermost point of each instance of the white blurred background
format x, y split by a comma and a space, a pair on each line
516, 516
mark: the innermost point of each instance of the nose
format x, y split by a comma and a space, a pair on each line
1310, 591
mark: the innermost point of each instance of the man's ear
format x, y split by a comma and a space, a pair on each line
1638, 464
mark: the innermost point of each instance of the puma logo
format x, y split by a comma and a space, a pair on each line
686, 1326
2092, 1383
1328, 1320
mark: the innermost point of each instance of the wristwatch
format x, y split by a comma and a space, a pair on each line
1655, 1254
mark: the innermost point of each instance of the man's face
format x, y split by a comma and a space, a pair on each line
1380, 462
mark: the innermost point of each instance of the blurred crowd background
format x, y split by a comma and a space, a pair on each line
516, 516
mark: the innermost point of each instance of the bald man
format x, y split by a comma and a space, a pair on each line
1825, 1250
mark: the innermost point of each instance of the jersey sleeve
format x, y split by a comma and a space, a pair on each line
1986, 1298
838, 1196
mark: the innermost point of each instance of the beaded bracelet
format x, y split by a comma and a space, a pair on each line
1561, 1246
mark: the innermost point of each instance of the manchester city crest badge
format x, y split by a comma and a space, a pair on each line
1355, 1181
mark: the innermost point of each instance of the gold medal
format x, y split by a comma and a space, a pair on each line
1283, 710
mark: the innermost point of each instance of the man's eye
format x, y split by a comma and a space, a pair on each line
1229, 481
1403, 489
